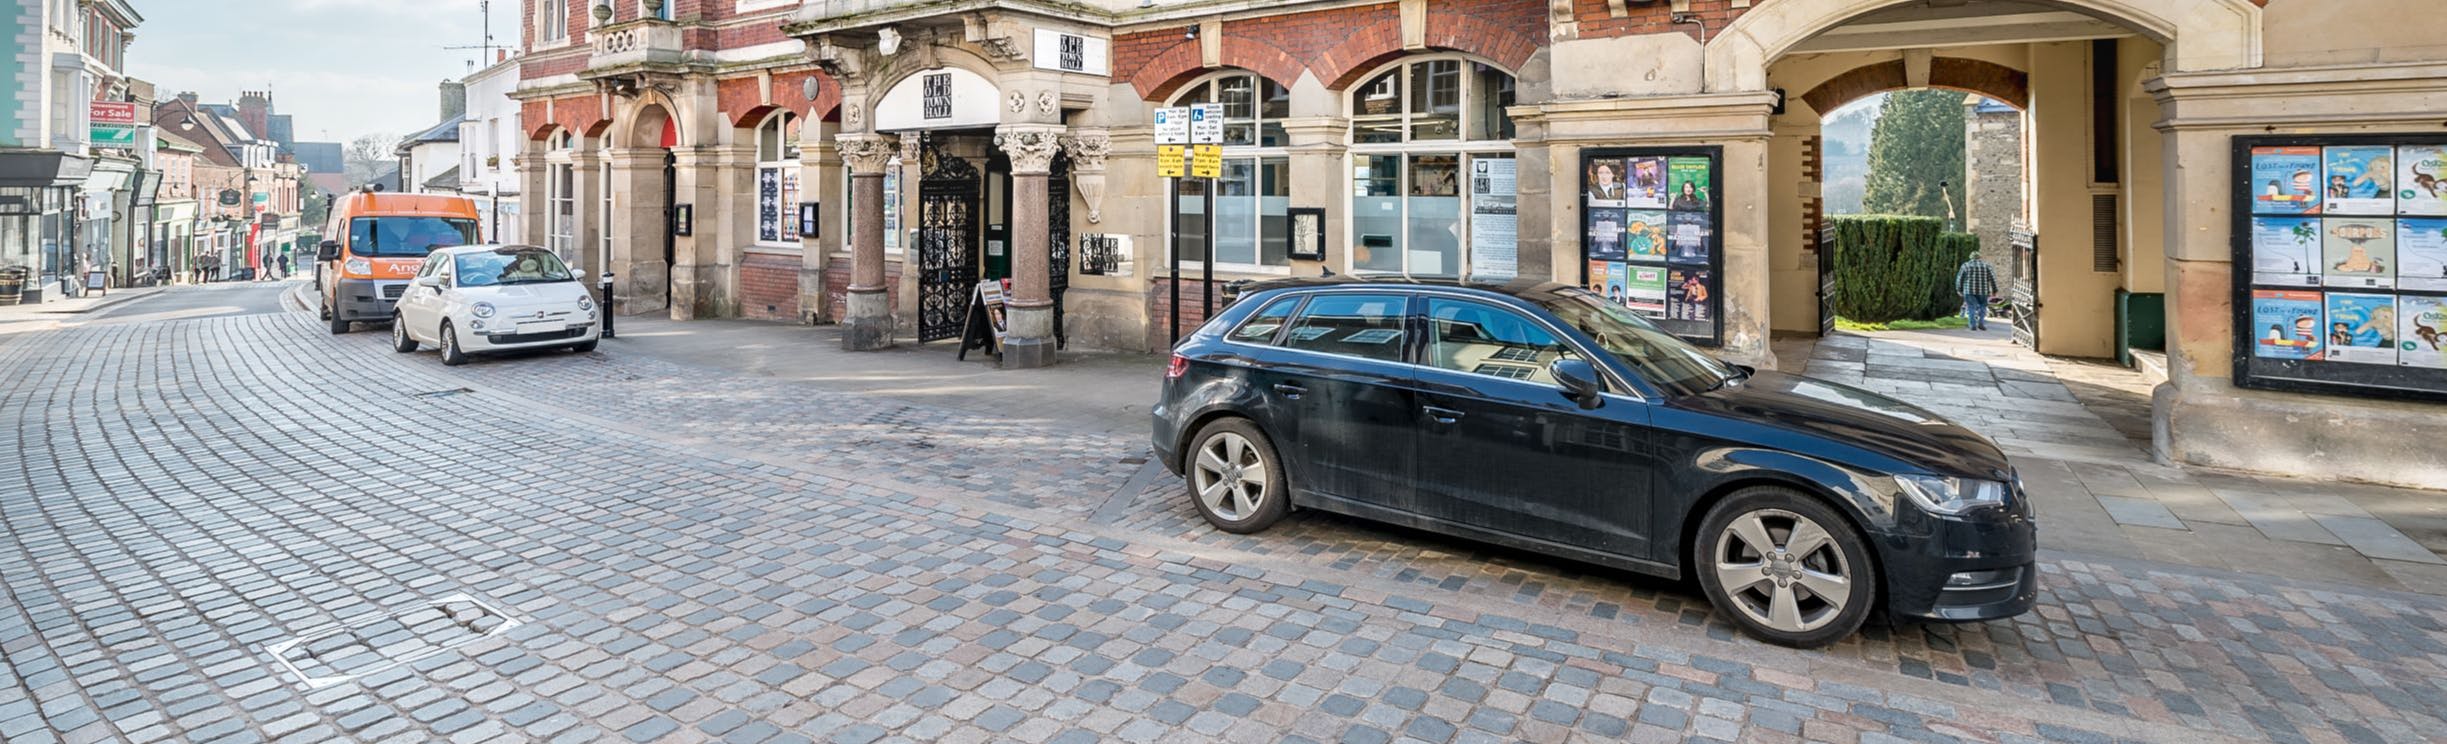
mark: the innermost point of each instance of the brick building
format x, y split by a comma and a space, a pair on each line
1661, 152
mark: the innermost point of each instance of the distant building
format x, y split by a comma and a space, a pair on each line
489, 142
66, 175
428, 155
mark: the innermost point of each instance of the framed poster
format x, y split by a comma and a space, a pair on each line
1307, 233
2345, 238
1652, 221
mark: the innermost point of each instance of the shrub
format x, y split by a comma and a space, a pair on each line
1888, 267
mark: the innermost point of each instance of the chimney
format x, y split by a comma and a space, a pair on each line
255, 111
454, 99
188, 97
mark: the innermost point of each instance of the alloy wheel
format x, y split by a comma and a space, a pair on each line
1230, 477
1783, 570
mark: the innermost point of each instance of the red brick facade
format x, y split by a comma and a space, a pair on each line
1337, 44
769, 286
1597, 21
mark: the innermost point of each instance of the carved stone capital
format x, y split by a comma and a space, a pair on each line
866, 154
1088, 149
1032, 148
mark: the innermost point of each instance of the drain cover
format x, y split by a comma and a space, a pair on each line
332, 655
443, 393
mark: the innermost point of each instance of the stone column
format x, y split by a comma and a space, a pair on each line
868, 325
587, 174
1030, 307
643, 279
533, 171
819, 169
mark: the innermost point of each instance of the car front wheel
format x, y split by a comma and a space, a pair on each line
1788, 569
452, 355
1235, 478
400, 340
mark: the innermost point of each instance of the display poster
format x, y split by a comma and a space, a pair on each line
1687, 294
1647, 188
1617, 279
2285, 180
1494, 229
2361, 328
2421, 254
1644, 234
2358, 253
1645, 292
2286, 324
1687, 181
1606, 185
1605, 234
2421, 321
1597, 275
2286, 250
2361, 180
2421, 179
1687, 238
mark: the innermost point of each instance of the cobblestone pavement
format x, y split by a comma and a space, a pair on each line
604, 547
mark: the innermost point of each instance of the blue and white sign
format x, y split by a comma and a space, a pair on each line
1206, 124
1173, 126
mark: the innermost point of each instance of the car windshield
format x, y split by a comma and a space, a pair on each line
407, 237
505, 266
1665, 360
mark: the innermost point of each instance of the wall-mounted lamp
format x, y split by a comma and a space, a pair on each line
1191, 34
887, 41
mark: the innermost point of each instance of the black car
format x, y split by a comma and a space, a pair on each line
1542, 417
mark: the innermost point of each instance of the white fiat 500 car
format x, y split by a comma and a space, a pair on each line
484, 298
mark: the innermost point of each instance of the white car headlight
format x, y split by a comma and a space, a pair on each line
482, 310
1951, 496
358, 266
585, 303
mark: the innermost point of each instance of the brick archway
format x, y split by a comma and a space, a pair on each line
2199, 34
581, 114
1181, 63
1381, 42
1986, 78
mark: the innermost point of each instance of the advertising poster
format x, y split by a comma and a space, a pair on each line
1647, 183
1645, 293
2286, 324
2421, 254
1598, 272
1494, 231
1687, 181
1687, 236
2359, 253
2361, 180
1644, 234
1605, 234
1607, 184
2422, 320
1616, 277
2361, 328
1686, 294
2286, 250
2421, 179
2285, 180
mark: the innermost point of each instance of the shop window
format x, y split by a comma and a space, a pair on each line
563, 219
892, 207
1253, 198
1417, 207
777, 180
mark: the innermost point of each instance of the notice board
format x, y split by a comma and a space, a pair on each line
1652, 235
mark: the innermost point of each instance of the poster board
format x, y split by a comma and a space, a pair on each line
985, 324
2340, 256
1652, 226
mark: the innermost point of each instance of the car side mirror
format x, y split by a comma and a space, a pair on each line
1579, 381
328, 251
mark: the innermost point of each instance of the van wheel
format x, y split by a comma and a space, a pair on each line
452, 355
338, 325
400, 340
1788, 569
1235, 478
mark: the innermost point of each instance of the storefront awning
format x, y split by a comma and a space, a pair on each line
43, 169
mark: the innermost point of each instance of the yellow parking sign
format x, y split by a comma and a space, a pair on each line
1207, 161
1168, 161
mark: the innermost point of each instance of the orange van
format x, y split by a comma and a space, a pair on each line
378, 242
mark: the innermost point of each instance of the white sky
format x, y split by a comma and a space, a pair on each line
341, 68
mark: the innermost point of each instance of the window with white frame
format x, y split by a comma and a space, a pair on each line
892, 207
1253, 198
552, 21
563, 235
777, 180
603, 217
1431, 168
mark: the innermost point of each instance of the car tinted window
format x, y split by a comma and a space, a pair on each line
1666, 361
1483, 339
512, 265
1368, 326
1261, 327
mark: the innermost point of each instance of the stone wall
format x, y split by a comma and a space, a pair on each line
1993, 195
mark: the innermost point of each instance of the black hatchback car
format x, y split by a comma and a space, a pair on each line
1542, 417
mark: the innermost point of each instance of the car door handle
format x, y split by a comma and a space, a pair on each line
1290, 390
1442, 415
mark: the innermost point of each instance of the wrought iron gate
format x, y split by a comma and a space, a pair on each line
2023, 300
1826, 278
947, 255
1058, 228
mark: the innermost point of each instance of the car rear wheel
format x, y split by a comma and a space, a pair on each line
584, 346
1235, 478
400, 340
452, 355
1786, 568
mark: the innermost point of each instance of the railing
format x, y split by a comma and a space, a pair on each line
643, 42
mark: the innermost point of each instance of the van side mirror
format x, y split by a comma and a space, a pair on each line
328, 251
1578, 380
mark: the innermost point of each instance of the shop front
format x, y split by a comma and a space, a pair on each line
38, 210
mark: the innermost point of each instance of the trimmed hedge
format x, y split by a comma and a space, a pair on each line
1896, 267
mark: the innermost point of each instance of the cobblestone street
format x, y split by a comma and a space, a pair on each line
233, 528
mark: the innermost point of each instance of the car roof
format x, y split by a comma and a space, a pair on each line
484, 248
1533, 290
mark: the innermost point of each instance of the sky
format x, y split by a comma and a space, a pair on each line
341, 68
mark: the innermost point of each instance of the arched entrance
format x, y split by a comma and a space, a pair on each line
642, 174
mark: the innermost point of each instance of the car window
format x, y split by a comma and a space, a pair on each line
1260, 328
1368, 326
1482, 339
1666, 361
511, 265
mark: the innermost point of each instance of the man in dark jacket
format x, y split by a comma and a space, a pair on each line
1976, 282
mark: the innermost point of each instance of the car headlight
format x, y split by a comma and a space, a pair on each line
1951, 496
483, 310
358, 266
585, 303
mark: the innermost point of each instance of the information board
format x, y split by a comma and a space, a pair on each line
1206, 161
2340, 265
1206, 124
1651, 222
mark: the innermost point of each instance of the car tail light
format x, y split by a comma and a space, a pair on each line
1180, 366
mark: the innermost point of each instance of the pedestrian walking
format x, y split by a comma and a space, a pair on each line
284, 266
1976, 282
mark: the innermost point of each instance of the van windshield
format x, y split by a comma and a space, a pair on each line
407, 237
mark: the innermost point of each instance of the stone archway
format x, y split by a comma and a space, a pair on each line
1990, 79
2199, 34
